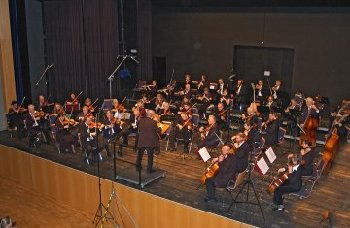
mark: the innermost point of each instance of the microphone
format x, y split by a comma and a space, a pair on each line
133, 58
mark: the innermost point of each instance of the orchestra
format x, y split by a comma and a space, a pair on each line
195, 112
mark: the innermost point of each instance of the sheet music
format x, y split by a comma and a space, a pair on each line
203, 152
270, 154
263, 165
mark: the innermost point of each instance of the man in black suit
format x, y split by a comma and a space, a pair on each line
272, 128
307, 154
309, 109
32, 124
210, 134
240, 93
148, 139
292, 184
230, 164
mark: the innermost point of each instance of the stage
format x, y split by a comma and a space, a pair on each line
181, 182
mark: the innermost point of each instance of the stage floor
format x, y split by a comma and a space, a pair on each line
182, 180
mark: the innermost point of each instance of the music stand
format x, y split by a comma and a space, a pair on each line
249, 184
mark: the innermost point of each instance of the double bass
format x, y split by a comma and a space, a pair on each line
329, 150
309, 130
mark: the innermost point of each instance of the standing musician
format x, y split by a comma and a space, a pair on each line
292, 184
112, 126
182, 130
32, 124
210, 134
72, 100
15, 118
64, 139
230, 164
309, 109
148, 139
271, 130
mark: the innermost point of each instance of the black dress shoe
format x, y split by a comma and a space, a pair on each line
279, 208
210, 200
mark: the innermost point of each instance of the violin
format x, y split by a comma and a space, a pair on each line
39, 114
97, 125
70, 122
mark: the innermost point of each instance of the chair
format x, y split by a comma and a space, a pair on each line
233, 184
281, 134
10, 130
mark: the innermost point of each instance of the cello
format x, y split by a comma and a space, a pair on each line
309, 129
329, 150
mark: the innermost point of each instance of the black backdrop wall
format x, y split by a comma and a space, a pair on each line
202, 40
82, 41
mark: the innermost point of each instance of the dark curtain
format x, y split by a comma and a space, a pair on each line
101, 29
82, 42
144, 33
65, 47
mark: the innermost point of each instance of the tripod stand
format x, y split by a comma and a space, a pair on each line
101, 211
247, 184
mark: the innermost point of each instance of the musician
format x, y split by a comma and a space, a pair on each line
132, 127
240, 93
225, 98
58, 109
277, 91
270, 103
221, 86
182, 130
117, 107
64, 139
230, 165
72, 100
112, 126
292, 106
203, 83
251, 118
221, 115
186, 92
87, 136
271, 130
210, 134
188, 79
89, 104
43, 103
15, 119
144, 99
82, 115
260, 92
154, 87
309, 109
165, 110
290, 117
159, 102
148, 139
307, 154
186, 108
206, 100
292, 184
32, 124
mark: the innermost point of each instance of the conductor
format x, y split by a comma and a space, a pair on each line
148, 140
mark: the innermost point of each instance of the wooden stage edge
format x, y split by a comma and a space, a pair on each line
131, 207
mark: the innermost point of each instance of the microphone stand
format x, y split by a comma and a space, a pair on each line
42, 76
111, 77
